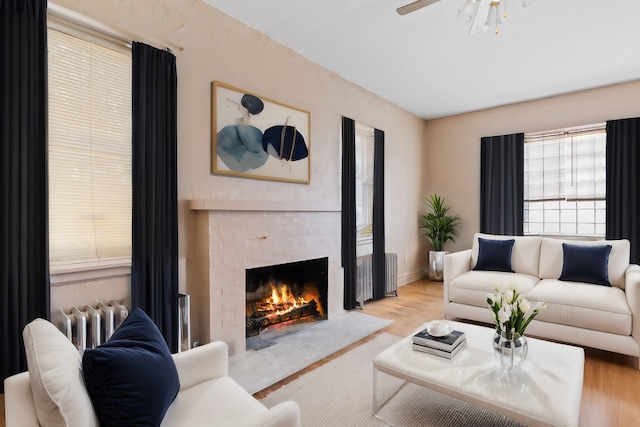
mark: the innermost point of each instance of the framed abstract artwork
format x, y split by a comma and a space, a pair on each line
256, 137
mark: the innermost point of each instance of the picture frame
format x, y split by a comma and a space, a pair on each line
253, 136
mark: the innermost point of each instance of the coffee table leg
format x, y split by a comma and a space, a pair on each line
377, 406
375, 391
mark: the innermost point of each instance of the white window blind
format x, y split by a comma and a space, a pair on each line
567, 166
89, 150
587, 169
544, 169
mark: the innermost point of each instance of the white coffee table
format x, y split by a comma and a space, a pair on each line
545, 391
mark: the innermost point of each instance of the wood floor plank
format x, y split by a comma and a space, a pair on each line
611, 392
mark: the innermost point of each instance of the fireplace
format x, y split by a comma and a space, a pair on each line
279, 296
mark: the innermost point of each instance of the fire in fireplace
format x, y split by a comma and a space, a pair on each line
286, 293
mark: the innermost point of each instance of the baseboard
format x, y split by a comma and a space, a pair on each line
411, 277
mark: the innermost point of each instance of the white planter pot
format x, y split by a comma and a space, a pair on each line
436, 265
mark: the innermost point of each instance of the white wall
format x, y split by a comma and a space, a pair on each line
453, 143
217, 47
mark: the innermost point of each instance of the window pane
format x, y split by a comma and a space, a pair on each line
364, 166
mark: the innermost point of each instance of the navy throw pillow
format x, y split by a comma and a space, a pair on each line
132, 378
494, 255
586, 263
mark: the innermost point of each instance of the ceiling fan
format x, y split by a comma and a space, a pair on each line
481, 13
416, 5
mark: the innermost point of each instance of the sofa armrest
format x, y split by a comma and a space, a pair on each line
19, 407
202, 363
632, 291
285, 414
455, 264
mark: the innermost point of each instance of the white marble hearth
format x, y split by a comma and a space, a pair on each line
257, 370
233, 236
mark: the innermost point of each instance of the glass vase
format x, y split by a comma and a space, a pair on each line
510, 348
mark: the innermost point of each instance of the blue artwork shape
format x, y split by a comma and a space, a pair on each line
253, 104
240, 147
284, 142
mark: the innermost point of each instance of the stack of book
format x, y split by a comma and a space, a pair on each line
446, 346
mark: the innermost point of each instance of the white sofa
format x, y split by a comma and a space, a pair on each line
602, 317
207, 397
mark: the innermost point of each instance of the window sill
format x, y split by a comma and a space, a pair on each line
89, 271
363, 241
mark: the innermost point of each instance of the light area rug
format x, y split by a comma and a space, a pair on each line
256, 370
339, 394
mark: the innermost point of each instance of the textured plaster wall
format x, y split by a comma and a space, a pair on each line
452, 166
217, 47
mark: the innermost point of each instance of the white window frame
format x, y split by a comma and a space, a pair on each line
112, 266
557, 209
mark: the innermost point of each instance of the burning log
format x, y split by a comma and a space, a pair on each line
260, 320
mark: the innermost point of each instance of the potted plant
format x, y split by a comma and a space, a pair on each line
440, 228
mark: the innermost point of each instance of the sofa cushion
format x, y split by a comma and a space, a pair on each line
55, 374
132, 378
472, 287
524, 256
494, 255
585, 263
551, 258
600, 308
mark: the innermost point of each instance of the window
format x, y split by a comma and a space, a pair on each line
565, 182
364, 183
89, 149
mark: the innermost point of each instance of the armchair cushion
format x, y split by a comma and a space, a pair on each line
132, 378
55, 373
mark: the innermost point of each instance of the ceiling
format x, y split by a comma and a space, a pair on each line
427, 63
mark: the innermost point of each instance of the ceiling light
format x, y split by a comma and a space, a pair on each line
468, 10
493, 17
485, 14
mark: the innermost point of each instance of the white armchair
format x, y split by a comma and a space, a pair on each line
207, 396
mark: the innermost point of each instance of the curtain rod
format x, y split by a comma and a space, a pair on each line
78, 19
578, 131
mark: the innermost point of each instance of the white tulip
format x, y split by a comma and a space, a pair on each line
508, 296
492, 298
504, 313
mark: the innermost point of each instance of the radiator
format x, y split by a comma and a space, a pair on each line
91, 325
364, 277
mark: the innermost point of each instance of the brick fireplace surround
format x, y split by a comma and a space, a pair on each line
232, 236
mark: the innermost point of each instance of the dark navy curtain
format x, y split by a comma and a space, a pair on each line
502, 184
623, 182
349, 212
154, 266
24, 257
379, 262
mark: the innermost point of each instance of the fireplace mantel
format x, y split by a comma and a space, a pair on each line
251, 205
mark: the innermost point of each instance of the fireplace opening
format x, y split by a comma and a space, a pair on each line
280, 295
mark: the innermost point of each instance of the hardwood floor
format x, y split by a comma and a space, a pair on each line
611, 392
